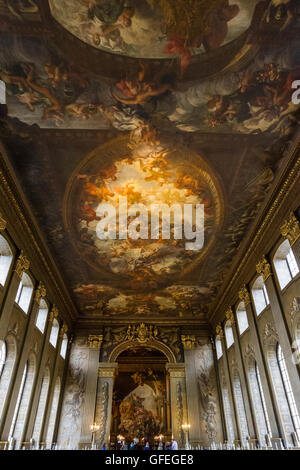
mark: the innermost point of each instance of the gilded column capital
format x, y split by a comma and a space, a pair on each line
219, 331
3, 223
230, 316
63, 330
244, 295
291, 229
53, 314
95, 341
40, 292
22, 264
107, 369
188, 341
264, 268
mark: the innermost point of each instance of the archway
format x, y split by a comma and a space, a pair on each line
141, 399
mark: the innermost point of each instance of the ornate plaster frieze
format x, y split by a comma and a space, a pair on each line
291, 229
230, 316
244, 295
53, 314
40, 292
219, 331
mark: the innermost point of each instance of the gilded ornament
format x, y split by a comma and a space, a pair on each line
291, 229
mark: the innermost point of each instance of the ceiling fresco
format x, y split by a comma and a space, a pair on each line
154, 132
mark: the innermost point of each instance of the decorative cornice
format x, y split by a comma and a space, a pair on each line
3, 223
244, 295
95, 341
291, 229
22, 265
188, 341
264, 268
230, 316
53, 314
40, 292
219, 331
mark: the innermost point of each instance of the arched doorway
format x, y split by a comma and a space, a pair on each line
141, 401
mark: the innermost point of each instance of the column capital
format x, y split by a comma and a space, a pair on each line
230, 316
95, 341
53, 314
107, 369
188, 341
291, 229
3, 223
219, 331
264, 268
244, 295
22, 264
176, 371
40, 292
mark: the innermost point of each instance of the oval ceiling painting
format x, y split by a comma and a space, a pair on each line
155, 29
144, 176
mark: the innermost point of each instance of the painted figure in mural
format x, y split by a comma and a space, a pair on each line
19, 7
281, 13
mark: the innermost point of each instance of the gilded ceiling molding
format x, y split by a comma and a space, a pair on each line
230, 316
264, 268
244, 295
3, 223
188, 341
40, 292
291, 229
95, 341
219, 331
22, 265
53, 314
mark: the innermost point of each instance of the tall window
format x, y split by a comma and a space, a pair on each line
24, 294
242, 318
42, 316
2, 356
17, 408
240, 406
6, 258
258, 400
260, 295
263, 401
229, 334
219, 348
9, 356
228, 414
64, 345
54, 333
53, 414
288, 390
285, 264
38, 422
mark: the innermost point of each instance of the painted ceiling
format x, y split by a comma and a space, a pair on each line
172, 102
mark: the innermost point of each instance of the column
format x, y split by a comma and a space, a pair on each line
271, 404
264, 269
291, 230
178, 401
243, 379
88, 414
106, 375
21, 266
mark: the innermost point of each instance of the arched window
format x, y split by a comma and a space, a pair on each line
23, 400
38, 423
6, 258
53, 414
288, 391
240, 406
24, 294
42, 316
64, 345
285, 264
260, 295
2, 356
54, 333
219, 349
7, 370
229, 334
258, 399
242, 318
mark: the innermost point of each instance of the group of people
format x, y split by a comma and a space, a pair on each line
135, 445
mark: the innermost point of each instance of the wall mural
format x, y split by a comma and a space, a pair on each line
216, 139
